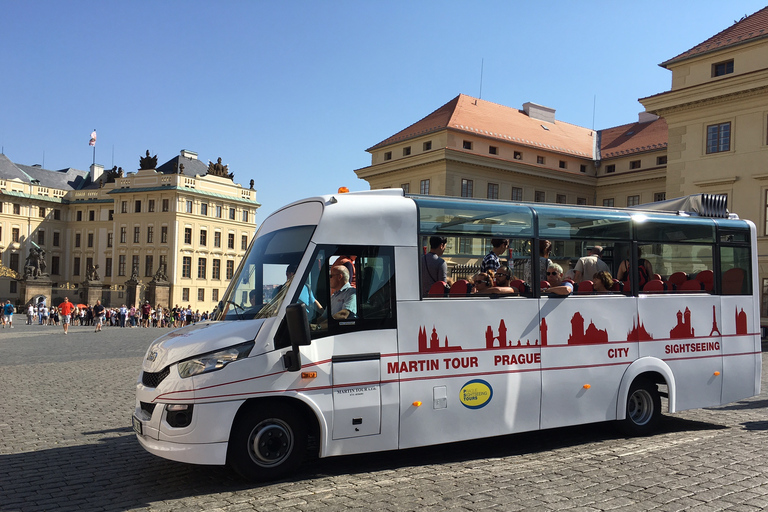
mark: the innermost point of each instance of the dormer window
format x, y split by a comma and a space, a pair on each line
722, 68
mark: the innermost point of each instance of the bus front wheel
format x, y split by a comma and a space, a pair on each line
267, 443
643, 409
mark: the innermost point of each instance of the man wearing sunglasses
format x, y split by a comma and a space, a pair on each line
555, 279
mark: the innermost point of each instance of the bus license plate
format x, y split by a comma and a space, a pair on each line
136, 425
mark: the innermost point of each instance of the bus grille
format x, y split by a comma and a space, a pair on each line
152, 380
148, 408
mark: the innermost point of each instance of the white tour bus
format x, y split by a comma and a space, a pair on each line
387, 365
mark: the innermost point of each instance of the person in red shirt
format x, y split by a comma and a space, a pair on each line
146, 309
66, 310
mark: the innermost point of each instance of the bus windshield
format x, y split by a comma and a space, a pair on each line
261, 283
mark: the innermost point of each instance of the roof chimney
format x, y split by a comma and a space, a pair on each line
96, 171
189, 154
539, 112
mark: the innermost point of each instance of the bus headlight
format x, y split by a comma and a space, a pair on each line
214, 360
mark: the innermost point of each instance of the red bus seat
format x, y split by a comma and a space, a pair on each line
707, 278
691, 285
519, 285
677, 279
733, 281
655, 286
618, 286
586, 286
438, 289
459, 288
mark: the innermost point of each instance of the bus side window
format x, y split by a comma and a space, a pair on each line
376, 285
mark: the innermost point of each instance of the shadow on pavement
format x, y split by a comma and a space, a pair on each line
117, 474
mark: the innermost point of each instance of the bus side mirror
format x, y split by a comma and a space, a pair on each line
298, 332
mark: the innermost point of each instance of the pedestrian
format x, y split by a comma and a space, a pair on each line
98, 315
66, 313
8, 311
30, 314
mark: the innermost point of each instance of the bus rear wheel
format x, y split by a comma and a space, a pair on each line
267, 443
643, 409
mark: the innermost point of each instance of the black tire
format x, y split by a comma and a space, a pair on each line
643, 409
267, 442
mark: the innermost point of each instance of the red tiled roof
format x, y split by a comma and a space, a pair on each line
633, 138
467, 114
746, 29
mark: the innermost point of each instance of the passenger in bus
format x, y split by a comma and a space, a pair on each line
483, 285
555, 279
645, 270
545, 249
434, 268
491, 260
344, 300
602, 282
502, 277
348, 263
591, 264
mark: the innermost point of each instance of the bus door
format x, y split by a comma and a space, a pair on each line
352, 317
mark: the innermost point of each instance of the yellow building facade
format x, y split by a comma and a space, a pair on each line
191, 225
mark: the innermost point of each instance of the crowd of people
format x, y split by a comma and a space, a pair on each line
97, 315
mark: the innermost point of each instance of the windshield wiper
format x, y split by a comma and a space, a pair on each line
237, 306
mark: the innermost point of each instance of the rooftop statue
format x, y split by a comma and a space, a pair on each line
148, 162
218, 169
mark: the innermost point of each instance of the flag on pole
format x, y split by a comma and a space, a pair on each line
93, 139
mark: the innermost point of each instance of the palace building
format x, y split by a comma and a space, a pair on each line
708, 133
184, 223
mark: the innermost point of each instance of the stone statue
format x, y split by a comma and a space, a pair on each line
35, 265
251, 184
181, 169
218, 169
148, 162
160, 274
92, 274
135, 273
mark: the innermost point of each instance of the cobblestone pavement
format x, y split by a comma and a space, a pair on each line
66, 444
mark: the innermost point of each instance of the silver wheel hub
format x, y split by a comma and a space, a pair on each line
270, 442
640, 407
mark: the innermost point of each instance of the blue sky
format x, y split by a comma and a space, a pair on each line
291, 93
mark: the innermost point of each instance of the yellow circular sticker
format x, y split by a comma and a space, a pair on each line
476, 394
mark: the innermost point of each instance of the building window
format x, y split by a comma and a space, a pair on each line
163, 234
581, 201
427, 146
189, 206
661, 160
204, 209
135, 264
539, 196
15, 261
148, 264
388, 155
493, 150
407, 151
136, 234
230, 269
560, 198
111, 215
582, 168
467, 188
218, 212
244, 242
215, 295
186, 266
518, 155
216, 269
610, 168
659, 196
123, 234
201, 294
722, 68
40, 237
108, 268
634, 164
608, 202
231, 214
166, 205
79, 216
517, 194
406, 187
121, 265
540, 160
41, 211
563, 164
16, 209
493, 191
718, 138
217, 239
245, 215
90, 239
91, 215
202, 269
55, 265
56, 214
185, 294
110, 238
465, 245
76, 267
633, 200
203, 237
231, 241
151, 205
187, 235
14, 234
137, 207
57, 239
123, 207
77, 239
467, 144
150, 234
424, 187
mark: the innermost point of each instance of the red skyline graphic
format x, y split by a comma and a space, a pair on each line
590, 335
741, 321
490, 339
434, 342
683, 329
638, 332
714, 323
